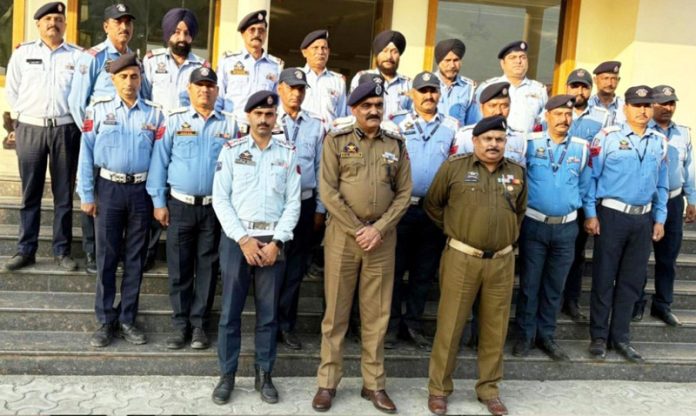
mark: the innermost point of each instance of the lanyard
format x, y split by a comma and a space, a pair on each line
645, 149
294, 131
555, 165
432, 132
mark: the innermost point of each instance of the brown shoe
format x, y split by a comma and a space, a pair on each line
437, 404
379, 399
495, 406
322, 400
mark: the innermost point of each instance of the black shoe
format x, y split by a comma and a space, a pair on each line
522, 348
199, 340
223, 389
572, 309
391, 339
91, 264
177, 341
290, 340
103, 336
149, 263
264, 384
66, 263
629, 353
638, 312
598, 349
18, 261
132, 334
419, 339
553, 350
667, 317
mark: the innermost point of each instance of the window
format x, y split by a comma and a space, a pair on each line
485, 26
8, 28
148, 23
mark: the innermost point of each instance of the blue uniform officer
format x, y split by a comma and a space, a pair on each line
629, 186
606, 77
118, 135
456, 91
557, 179
256, 196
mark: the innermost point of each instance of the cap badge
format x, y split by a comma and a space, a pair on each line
204, 71
60, 8
269, 100
260, 16
616, 68
426, 77
120, 7
378, 89
569, 104
504, 91
503, 124
581, 73
377, 80
667, 91
523, 46
642, 92
298, 74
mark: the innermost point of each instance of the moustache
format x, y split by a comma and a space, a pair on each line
493, 149
373, 117
264, 125
563, 124
256, 38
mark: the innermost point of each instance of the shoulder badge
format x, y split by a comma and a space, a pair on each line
77, 47
342, 125
276, 60
458, 156
102, 99
94, 50
535, 135
159, 51
451, 122
20, 44
227, 54
468, 81
152, 104
176, 111
578, 140
611, 129
233, 143
398, 113
283, 143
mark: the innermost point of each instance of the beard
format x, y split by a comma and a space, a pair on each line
180, 48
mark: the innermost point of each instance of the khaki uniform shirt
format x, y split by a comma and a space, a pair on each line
365, 181
480, 208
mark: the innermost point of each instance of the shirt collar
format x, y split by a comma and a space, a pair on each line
506, 79
190, 58
478, 161
247, 54
112, 49
307, 70
194, 114
458, 80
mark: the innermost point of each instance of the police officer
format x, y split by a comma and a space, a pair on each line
630, 186
118, 135
471, 195
250, 70
37, 85
429, 135
527, 96
681, 173
305, 131
365, 185
606, 77
184, 161
557, 179
456, 91
92, 80
388, 46
327, 93
256, 196
587, 122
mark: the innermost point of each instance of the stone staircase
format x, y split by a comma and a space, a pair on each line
47, 317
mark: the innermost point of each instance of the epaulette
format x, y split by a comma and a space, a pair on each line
458, 156
466, 128
152, 104
275, 59
514, 162
177, 111
399, 113
72, 45
227, 54
468, 81
337, 74
579, 140
539, 84
406, 77
391, 127
535, 135
283, 143
451, 122
102, 99
610, 129
234, 142
313, 115
155, 52
228, 114
20, 44
94, 50
342, 125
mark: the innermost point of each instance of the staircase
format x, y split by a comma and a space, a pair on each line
47, 317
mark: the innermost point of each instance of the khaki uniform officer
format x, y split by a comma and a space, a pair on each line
479, 200
365, 185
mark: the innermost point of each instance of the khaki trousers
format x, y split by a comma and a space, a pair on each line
461, 276
344, 263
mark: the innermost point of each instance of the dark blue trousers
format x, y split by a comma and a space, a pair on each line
419, 244
236, 279
60, 147
619, 270
193, 239
573, 284
299, 252
121, 225
546, 253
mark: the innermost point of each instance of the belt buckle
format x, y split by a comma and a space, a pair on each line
554, 220
260, 225
635, 210
487, 254
197, 200
130, 178
49, 122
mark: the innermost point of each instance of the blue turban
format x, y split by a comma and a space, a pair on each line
172, 19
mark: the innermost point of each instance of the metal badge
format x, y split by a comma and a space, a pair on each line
120, 7
204, 71
378, 89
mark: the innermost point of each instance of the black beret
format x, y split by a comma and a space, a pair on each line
664, 94
312, 36
252, 18
263, 99
488, 124
580, 75
388, 36
561, 100
117, 11
518, 45
371, 77
123, 62
49, 8
608, 66
203, 73
172, 19
496, 90
293, 77
449, 45
639, 94
364, 91
426, 79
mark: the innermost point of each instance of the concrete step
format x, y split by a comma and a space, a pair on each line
10, 205
69, 353
11, 186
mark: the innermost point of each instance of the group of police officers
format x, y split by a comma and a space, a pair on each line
247, 166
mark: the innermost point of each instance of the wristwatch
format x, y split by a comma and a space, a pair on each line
278, 244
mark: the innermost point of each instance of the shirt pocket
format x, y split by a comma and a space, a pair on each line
184, 147
242, 177
215, 147
279, 176
110, 137
145, 140
351, 168
387, 170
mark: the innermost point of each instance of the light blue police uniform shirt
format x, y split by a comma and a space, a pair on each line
681, 168
184, 159
169, 80
306, 133
515, 148
92, 79
457, 99
619, 173
527, 101
251, 184
116, 138
38, 79
557, 174
615, 108
585, 125
326, 95
428, 144
396, 97
240, 75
